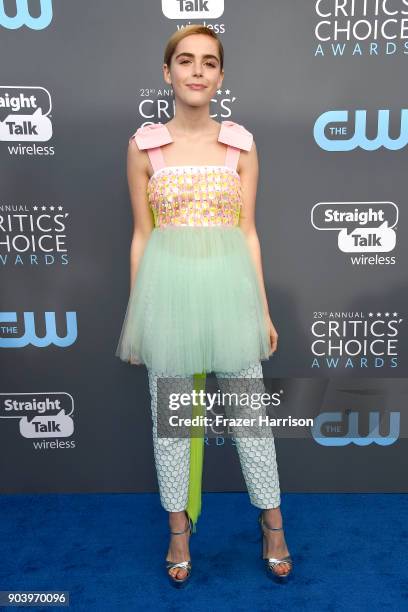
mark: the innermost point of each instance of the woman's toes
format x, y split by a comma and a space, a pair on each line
180, 574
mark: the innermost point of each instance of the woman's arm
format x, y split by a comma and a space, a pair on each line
249, 172
143, 222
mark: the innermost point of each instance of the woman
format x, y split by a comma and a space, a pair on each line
198, 302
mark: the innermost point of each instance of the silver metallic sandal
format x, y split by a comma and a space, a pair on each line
271, 562
180, 582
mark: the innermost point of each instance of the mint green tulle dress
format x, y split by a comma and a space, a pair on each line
195, 306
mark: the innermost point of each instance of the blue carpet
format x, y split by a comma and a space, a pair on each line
107, 550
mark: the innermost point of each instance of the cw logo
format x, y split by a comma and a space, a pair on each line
336, 137
23, 17
30, 336
334, 420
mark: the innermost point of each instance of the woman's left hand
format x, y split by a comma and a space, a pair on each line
273, 335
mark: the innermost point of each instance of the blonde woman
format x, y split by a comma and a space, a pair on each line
197, 302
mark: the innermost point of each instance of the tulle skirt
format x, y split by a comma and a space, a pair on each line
196, 304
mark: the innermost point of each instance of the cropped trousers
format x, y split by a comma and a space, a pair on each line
256, 454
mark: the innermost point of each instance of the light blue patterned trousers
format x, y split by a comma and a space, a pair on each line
256, 454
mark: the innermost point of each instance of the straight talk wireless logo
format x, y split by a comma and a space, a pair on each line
186, 10
192, 9
25, 117
45, 418
364, 228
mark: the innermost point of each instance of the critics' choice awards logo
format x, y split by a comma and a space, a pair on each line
361, 227
25, 330
343, 428
21, 14
358, 27
25, 116
353, 340
192, 9
33, 234
41, 416
155, 109
335, 131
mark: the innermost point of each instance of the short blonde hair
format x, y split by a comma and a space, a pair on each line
195, 28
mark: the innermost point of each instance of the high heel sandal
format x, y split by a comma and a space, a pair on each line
180, 582
271, 562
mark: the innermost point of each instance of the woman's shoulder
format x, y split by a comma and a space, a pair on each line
151, 135
235, 135
156, 134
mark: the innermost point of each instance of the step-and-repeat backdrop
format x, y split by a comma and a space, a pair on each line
322, 87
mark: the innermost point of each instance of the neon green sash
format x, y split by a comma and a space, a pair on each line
196, 456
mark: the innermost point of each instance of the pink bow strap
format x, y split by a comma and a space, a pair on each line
151, 136
235, 135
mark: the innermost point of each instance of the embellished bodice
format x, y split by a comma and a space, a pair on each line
195, 196
206, 195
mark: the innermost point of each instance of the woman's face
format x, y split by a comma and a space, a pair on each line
195, 61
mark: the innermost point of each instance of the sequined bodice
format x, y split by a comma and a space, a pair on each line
195, 196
